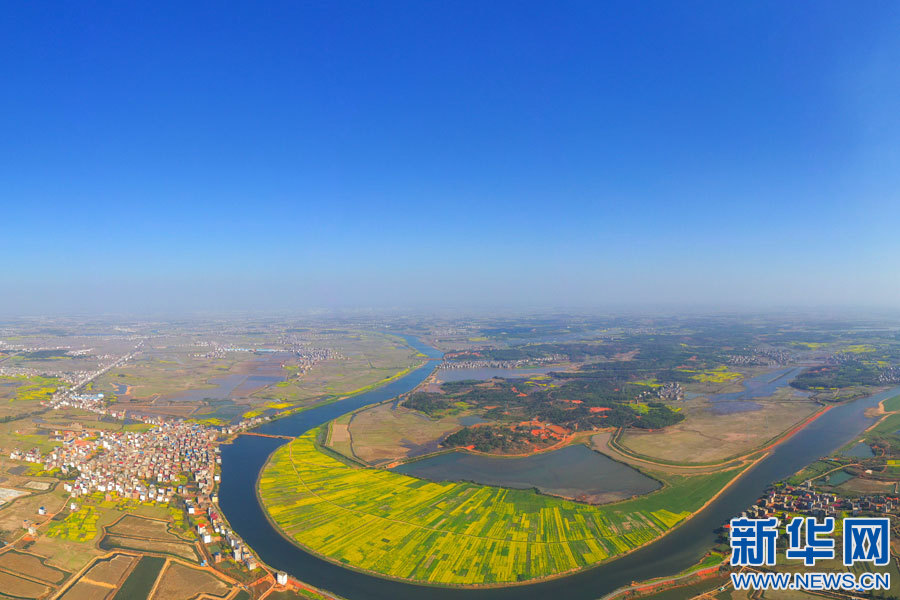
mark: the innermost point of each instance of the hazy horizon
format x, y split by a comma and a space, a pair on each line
173, 159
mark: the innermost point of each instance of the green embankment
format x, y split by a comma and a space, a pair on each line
887, 426
458, 533
892, 404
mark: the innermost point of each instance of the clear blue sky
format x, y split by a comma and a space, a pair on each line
292, 154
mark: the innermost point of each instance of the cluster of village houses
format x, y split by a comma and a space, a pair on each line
762, 356
146, 466
805, 501
670, 391
305, 356
448, 363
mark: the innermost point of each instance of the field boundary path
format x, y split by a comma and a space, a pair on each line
267, 435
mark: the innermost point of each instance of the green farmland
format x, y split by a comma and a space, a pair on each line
472, 534
21, 388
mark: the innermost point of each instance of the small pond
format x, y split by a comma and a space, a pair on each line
860, 450
470, 420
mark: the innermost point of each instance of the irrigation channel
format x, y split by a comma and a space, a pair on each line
668, 555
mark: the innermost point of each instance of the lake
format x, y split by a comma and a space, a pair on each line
571, 472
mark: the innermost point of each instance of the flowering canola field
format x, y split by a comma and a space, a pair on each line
457, 533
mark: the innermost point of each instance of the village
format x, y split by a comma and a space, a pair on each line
788, 499
173, 462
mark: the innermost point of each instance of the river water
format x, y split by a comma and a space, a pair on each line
670, 554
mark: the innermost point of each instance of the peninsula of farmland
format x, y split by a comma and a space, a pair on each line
458, 533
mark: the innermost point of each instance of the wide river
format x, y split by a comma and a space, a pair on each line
670, 554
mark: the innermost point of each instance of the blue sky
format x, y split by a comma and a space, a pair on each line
187, 156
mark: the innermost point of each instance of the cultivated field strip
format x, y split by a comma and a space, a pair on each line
454, 533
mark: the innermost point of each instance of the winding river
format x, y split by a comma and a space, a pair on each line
670, 554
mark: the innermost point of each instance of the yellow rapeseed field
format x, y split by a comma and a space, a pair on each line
456, 533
